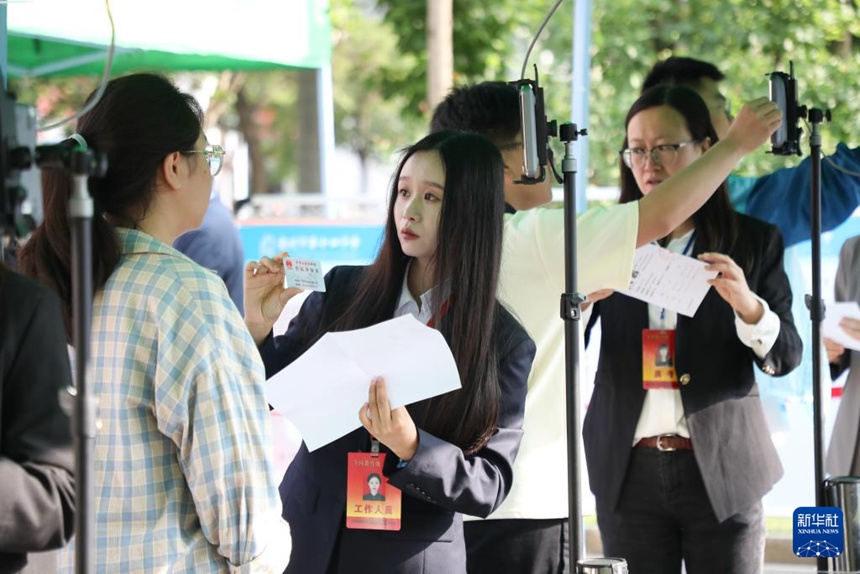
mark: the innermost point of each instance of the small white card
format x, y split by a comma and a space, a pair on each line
303, 274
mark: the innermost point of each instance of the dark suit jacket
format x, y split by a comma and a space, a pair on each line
731, 440
438, 484
37, 487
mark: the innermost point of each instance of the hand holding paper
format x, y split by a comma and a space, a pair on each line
842, 324
393, 427
323, 390
731, 284
669, 280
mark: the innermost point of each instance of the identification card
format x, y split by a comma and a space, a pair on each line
303, 274
371, 503
658, 359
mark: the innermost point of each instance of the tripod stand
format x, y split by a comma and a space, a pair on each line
571, 313
81, 163
815, 305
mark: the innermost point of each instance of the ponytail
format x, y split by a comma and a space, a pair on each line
47, 256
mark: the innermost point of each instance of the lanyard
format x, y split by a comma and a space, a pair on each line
684, 252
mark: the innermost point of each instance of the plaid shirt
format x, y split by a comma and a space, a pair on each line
183, 477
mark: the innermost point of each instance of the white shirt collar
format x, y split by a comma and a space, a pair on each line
407, 304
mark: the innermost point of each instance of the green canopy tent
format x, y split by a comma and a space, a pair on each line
71, 37
51, 37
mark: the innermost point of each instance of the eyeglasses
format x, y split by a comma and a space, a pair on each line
665, 155
214, 155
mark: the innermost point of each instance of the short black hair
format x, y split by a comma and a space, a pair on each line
491, 109
679, 71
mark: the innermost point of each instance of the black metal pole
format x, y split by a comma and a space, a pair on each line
84, 420
571, 312
81, 163
816, 309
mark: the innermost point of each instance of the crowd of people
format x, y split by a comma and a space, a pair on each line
183, 477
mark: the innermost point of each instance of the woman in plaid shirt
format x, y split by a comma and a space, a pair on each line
183, 481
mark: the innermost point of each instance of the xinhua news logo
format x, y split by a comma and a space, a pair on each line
818, 531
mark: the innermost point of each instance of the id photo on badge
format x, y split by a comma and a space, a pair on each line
658, 359
374, 482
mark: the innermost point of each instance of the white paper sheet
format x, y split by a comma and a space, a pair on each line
322, 391
833, 313
669, 280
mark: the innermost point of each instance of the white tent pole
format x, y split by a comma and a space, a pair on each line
325, 125
580, 66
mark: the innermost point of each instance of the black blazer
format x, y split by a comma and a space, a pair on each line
438, 484
731, 440
37, 486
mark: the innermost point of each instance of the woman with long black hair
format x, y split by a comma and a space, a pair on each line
451, 454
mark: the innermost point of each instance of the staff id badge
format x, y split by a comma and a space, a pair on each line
658, 359
371, 503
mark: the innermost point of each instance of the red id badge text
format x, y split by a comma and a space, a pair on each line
658, 359
371, 503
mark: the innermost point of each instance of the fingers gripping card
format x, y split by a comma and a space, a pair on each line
303, 274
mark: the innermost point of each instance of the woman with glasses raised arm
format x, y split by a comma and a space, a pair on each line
679, 454
183, 479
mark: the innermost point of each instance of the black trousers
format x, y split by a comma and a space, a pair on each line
517, 546
664, 516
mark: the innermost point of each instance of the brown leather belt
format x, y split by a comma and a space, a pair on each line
666, 442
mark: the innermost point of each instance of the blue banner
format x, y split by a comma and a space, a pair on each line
331, 243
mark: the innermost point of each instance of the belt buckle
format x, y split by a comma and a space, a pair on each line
660, 446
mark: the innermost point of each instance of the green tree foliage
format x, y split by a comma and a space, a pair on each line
369, 120
745, 39
55, 99
265, 109
379, 69
486, 39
